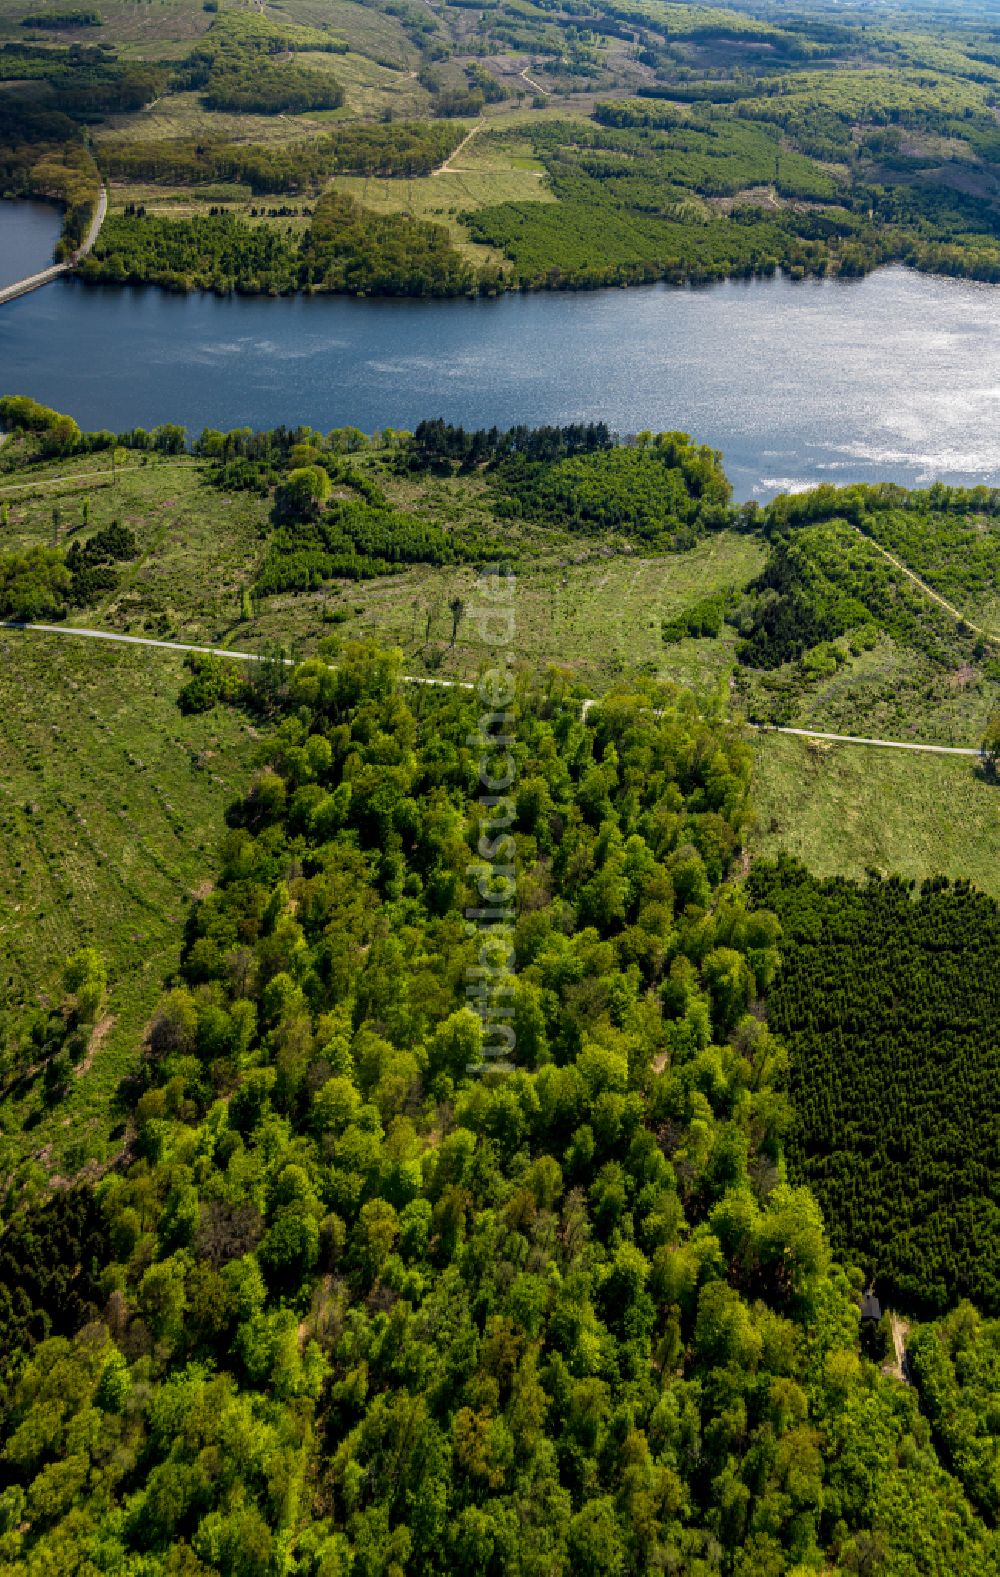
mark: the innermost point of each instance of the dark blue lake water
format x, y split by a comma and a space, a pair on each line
28, 233
896, 376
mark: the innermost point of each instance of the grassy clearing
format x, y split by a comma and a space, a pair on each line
182, 115
845, 808
371, 31
892, 693
437, 196
371, 88
111, 807
158, 29
597, 617
444, 197
198, 548
181, 202
594, 611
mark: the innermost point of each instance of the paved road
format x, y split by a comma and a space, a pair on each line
204, 651
76, 476
100, 213
448, 684
20, 287
889, 744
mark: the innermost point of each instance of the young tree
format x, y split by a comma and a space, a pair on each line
85, 980
457, 606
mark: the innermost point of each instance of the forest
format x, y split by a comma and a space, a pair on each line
672, 142
887, 1003
400, 149
344, 248
505, 1147
234, 68
664, 493
360, 1300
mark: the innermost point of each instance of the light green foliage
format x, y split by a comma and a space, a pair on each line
85, 979
845, 809
376, 1303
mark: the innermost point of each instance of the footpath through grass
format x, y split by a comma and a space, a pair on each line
111, 810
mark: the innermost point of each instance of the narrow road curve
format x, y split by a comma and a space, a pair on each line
929, 591
448, 684
21, 287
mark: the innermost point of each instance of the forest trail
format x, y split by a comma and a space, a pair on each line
536, 85
896, 1365
928, 591
447, 684
446, 168
78, 476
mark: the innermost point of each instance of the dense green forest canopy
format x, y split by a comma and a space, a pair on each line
359, 1301
345, 248
887, 1002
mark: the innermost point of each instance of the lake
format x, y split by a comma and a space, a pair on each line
896, 376
28, 234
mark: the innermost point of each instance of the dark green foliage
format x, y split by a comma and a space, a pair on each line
51, 1259
213, 680
950, 537
357, 540
831, 591
42, 583
666, 492
889, 1003
261, 88
19, 413
348, 248
437, 443
629, 207
91, 563
235, 67
369, 1298
345, 248
60, 19
484, 82
198, 253
404, 148
34, 584
824, 580
703, 618
244, 476
88, 80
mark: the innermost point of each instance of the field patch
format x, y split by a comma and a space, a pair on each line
111, 808
844, 808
